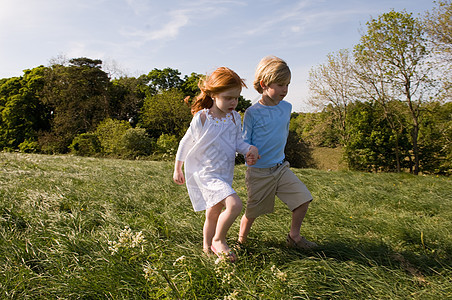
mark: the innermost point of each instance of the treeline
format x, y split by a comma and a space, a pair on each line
76, 107
386, 102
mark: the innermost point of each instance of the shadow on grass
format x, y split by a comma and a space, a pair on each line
367, 253
375, 253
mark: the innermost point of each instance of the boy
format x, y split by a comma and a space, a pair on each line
266, 126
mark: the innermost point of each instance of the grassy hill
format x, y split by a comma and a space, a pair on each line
73, 227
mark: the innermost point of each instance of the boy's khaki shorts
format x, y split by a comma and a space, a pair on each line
264, 183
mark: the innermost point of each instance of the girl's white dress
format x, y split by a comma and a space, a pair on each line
208, 152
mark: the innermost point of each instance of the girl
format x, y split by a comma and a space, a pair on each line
208, 150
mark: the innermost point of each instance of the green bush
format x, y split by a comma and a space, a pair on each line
28, 146
136, 142
85, 144
110, 133
298, 153
167, 145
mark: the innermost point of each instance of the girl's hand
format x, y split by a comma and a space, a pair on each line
178, 177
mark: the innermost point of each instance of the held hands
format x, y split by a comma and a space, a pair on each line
252, 156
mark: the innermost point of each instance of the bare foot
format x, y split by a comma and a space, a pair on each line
220, 246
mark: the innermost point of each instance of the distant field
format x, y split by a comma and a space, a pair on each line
89, 228
328, 159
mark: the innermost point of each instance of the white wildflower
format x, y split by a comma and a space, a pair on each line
179, 259
148, 270
278, 273
127, 239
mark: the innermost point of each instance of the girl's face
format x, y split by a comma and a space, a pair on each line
225, 102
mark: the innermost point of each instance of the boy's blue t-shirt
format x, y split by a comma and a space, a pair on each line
267, 128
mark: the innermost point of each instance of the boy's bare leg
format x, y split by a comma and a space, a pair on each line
298, 215
245, 227
233, 207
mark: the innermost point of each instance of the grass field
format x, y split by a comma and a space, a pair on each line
86, 228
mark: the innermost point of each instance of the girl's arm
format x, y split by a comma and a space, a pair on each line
178, 175
185, 145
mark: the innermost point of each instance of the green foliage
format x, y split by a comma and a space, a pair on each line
91, 228
436, 140
22, 114
163, 80
371, 144
165, 113
126, 98
136, 142
190, 85
28, 146
110, 133
393, 54
316, 129
78, 97
242, 104
167, 145
86, 144
437, 24
298, 153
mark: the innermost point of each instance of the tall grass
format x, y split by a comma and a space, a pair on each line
85, 228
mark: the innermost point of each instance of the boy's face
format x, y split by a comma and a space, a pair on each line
276, 91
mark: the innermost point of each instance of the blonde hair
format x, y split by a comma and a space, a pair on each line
220, 80
271, 69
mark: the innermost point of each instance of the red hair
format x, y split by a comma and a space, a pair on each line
220, 80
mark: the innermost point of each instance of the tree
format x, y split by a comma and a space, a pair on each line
162, 80
242, 104
438, 26
395, 42
165, 113
376, 86
439, 29
371, 144
79, 100
436, 139
190, 84
22, 114
127, 95
317, 129
333, 84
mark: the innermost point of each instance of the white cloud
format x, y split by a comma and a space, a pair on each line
177, 20
139, 7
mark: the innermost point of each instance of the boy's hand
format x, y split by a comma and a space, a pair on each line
252, 156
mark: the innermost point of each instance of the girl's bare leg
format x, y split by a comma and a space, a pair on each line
210, 225
233, 207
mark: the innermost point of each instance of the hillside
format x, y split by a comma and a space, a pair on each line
91, 228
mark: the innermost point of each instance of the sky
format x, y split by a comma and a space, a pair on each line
133, 37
